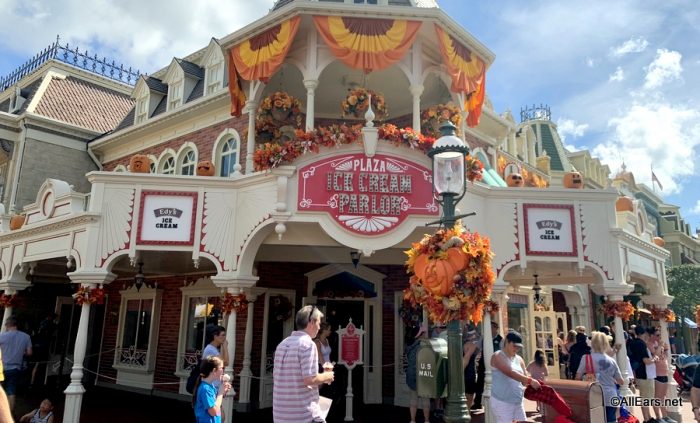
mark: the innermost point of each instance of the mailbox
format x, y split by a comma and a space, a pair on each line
431, 368
584, 398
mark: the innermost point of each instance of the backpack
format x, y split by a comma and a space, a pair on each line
192, 378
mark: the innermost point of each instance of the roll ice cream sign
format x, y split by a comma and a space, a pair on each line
367, 195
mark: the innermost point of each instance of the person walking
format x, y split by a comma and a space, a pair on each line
660, 349
207, 398
510, 378
606, 371
411, 376
470, 352
644, 365
15, 345
296, 377
576, 353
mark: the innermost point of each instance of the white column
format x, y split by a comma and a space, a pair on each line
310, 85
246, 373
622, 357
231, 339
74, 391
672, 390
486, 356
8, 310
416, 91
250, 107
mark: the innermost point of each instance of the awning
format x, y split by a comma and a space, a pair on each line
691, 324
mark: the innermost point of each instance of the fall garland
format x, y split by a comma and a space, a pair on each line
623, 309
475, 169
411, 314
356, 103
662, 313
237, 303
87, 295
452, 276
491, 307
8, 300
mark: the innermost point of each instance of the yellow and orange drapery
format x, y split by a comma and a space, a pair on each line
467, 71
367, 44
258, 58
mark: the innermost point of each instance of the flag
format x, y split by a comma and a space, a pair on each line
655, 179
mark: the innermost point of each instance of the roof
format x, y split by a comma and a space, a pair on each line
155, 84
191, 69
83, 104
550, 147
419, 3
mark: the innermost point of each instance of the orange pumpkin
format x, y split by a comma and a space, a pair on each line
206, 168
624, 204
420, 266
515, 180
573, 180
140, 163
659, 241
457, 258
438, 278
17, 222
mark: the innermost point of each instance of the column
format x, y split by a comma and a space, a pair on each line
622, 353
246, 373
416, 91
310, 85
250, 107
231, 339
75, 390
674, 411
486, 356
8, 310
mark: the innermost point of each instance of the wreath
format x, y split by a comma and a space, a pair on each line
491, 307
475, 169
8, 300
280, 308
432, 117
237, 303
87, 295
411, 314
452, 275
276, 111
662, 313
622, 309
357, 101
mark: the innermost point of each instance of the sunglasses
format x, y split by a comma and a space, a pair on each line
313, 310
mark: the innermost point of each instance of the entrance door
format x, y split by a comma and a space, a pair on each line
562, 326
545, 324
279, 303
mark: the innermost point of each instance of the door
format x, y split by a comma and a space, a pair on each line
545, 331
277, 302
401, 391
562, 327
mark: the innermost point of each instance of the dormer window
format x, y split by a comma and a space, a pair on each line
215, 77
175, 94
213, 64
16, 101
141, 113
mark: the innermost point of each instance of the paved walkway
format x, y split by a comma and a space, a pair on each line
102, 405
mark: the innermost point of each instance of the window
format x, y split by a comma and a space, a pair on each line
153, 165
175, 94
138, 329
141, 113
201, 307
229, 157
120, 168
188, 164
167, 166
215, 77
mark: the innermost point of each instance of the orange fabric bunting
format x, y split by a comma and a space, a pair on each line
258, 58
467, 71
367, 44
234, 88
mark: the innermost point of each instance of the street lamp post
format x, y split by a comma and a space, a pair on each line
449, 183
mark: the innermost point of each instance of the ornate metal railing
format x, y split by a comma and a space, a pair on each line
74, 57
132, 356
541, 112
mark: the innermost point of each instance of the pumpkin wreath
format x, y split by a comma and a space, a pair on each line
623, 309
662, 313
452, 276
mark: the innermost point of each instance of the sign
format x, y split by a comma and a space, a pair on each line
350, 345
369, 196
550, 230
167, 218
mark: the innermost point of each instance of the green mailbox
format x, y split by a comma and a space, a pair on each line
431, 368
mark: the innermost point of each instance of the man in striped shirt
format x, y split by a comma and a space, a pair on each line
295, 376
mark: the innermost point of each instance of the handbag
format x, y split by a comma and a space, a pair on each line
589, 376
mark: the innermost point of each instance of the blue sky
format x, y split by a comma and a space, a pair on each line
622, 78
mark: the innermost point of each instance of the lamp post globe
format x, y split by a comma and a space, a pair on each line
449, 183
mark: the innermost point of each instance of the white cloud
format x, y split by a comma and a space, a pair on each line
566, 127
633, 45
665, 135
618, 75
696, 209
666, 67
145, 35
590, 62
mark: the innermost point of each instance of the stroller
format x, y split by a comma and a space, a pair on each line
685, 371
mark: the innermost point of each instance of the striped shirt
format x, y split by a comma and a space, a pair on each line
292, 401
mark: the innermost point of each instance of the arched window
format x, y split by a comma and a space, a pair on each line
120, 168
167, 165
154, 163
188, 162
229, 157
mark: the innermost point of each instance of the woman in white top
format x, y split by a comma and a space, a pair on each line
321, 341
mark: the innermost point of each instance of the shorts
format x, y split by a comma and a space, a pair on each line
646, 388
505, 412
414, 401
662, 379
11, 381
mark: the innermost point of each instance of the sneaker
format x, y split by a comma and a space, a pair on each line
667, 420
652, 420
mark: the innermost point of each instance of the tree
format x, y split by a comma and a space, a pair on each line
684, 285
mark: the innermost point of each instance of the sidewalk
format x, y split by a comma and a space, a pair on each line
103, 405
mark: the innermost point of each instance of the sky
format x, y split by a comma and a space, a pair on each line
622, 78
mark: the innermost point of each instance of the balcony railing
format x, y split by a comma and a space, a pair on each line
73, 57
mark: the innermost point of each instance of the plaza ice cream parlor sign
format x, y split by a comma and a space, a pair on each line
167, 218
367, 195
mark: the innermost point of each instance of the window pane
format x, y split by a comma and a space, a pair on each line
225, 164
130, 323
201, 312
144, 324
188, 169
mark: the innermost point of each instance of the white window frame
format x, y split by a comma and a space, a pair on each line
219, 145
154, 163
120, 168
127, 295
175, 94
182, 156
214, 64
163, 161
141, 109
203, 287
